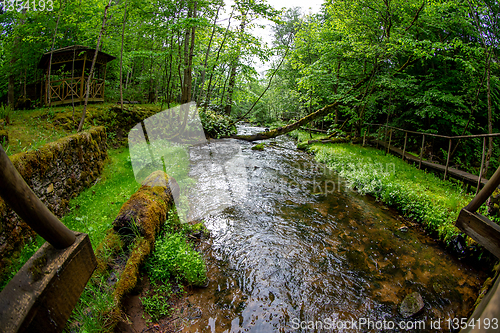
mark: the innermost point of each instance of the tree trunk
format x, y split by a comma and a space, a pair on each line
121, 55
335, 90
207, 53
207, 100
234, 65
87, 90
189, 38
230, 88
10, 93
490, 121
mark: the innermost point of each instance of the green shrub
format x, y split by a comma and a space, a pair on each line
174, 258
418, 195
155, 302
216, 125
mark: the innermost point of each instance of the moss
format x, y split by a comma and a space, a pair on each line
106, 250
146, 209
259, 146
128, 278
37, 268
487, 285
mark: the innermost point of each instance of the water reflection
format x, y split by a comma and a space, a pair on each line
283, 252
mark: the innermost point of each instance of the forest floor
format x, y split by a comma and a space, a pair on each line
29, 129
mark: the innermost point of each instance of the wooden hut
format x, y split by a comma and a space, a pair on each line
69, 73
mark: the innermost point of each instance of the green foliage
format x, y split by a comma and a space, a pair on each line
259, 146
216, 125
420, 196
174, 258
195, 229
155, 302
94, 210
5, 113
92, 310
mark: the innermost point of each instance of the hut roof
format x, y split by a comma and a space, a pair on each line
44, 61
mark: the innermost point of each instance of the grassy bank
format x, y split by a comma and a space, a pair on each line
30, 129
418, 195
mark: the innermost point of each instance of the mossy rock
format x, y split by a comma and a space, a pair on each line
411, 305
259, 147
302, 145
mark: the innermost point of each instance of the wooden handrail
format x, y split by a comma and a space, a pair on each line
438, 135
20, 197
485, 192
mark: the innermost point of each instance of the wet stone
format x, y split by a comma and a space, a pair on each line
411, 305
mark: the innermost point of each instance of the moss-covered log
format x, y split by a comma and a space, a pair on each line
146, 210
137, 223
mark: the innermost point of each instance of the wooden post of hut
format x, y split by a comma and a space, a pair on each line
64, 87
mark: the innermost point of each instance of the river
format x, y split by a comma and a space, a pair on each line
291, 246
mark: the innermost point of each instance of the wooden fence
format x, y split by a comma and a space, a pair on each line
461, 174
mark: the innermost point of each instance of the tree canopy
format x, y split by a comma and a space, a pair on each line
417, 64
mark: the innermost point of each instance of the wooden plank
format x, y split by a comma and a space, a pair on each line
481, 229
486, 311
447, 160
421, 152
485, 192
42, 295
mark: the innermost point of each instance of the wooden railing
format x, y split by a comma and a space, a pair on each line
73, 89
390, 129
42, 295
486, 233
478, 227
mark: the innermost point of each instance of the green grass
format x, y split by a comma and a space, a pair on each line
303, 136
155, 302
419, 195
30, 129
91, 312
95, 209
175, 258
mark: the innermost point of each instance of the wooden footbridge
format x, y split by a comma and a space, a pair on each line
467, 178
486, 233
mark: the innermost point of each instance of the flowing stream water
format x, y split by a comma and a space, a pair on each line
285, 252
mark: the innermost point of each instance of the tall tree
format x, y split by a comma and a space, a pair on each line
89, 79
